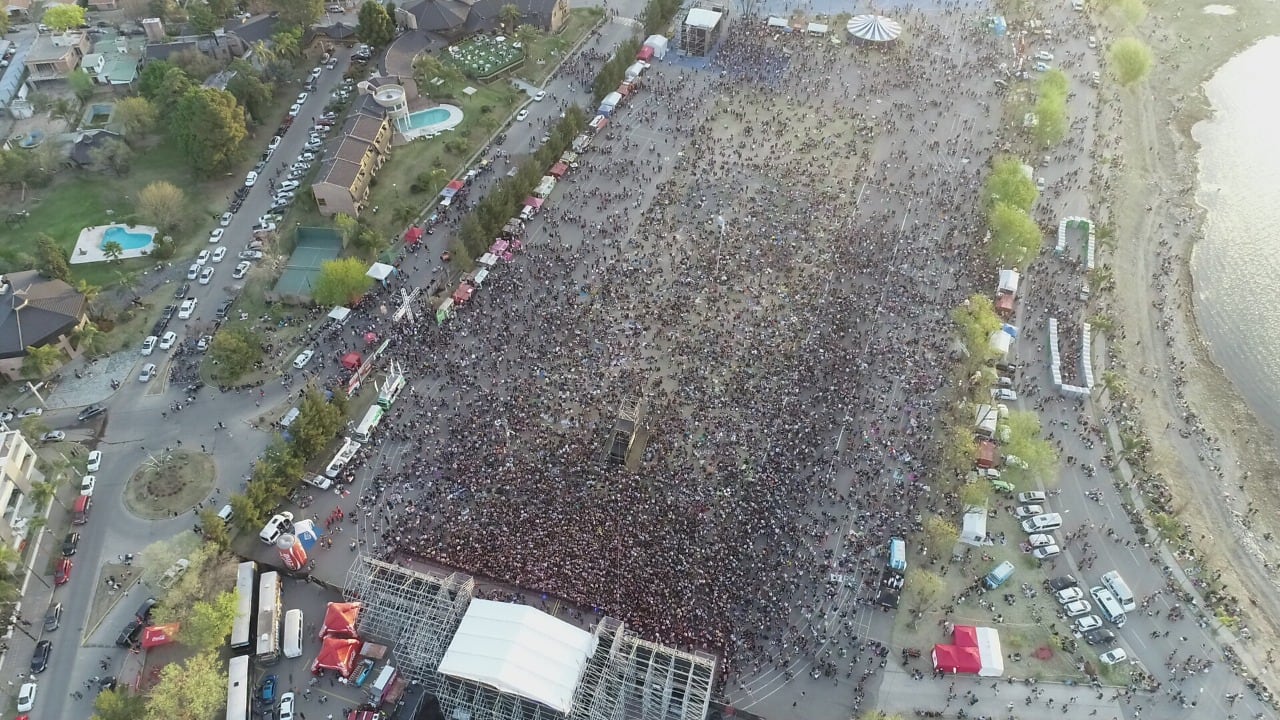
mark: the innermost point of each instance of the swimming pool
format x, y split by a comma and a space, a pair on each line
426, 118
128, 240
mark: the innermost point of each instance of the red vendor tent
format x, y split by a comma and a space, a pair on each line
340, 620
646, 53
159, 635
986, 454
558, 170
351, 360
413, 235
957, 659
337, 654
462, 294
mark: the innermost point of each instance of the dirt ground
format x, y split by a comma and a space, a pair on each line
1152, 200
174, 485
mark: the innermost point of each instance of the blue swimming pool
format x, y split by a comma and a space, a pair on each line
129, 240
426, 118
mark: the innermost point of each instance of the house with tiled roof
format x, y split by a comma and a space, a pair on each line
36, 311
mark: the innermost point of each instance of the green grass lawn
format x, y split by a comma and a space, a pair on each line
544, 55
481, 56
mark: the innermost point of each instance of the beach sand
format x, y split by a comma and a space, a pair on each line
1152, 199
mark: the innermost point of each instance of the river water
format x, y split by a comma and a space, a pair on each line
1236, 265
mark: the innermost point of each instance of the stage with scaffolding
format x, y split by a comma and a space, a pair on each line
615, 675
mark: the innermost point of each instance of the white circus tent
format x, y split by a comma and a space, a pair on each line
874, 28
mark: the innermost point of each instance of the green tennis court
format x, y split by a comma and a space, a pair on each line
314, 247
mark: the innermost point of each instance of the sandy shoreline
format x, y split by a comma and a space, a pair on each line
1221, 474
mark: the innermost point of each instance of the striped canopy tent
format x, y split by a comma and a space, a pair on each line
874, 28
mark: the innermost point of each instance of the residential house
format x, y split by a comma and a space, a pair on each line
82, 150
235, 39
53, 57
454, 18
36, 311
350, 162
18, 472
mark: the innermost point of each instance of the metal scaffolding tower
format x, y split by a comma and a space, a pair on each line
416, 612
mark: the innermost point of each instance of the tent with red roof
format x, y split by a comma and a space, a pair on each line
337, 654
340, 620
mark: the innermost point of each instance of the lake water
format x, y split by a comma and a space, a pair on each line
1236, 265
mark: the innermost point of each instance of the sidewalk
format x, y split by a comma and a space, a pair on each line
34, 599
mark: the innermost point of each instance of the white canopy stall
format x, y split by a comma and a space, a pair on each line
659, 45
519, 650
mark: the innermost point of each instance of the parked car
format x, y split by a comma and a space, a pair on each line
294, 109
520, 116
302, 97
40, 658
53, 436
1039, 540
1069, 595
1044, 55
268, 690
87, 483
1100, 636
206, 276
287, 186
1111, 657
203, 257
62, 571
251, 179
27, 697
69, 543
303, 358
225, 220
170, 338
224, 307
1032, 497
188, 308
53, 617
1087, 623
128, 637
148, 372
538, 97
193, 272
275, 142
95, 461
203, 343
287, 706
1026, 511
218, 254
216, 235
1046, 552
242, 269
174, 573
90, 412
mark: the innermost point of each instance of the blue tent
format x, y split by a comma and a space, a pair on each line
999, 26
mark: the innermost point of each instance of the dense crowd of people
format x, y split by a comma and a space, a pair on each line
765, 283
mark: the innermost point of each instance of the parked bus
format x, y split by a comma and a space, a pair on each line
364, 431
1120, 589
238, 688
268, 650
241, 626
1108, 605
293, 633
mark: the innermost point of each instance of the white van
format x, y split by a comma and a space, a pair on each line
1120, 589
1108, 605
293, 633
1041, 523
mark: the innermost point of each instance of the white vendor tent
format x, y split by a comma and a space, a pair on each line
817, 29
635, 70
702, 18
381, 271
1000, 342
339, 313
1009, 280
777, 22
519, 650
974, 529
659, 45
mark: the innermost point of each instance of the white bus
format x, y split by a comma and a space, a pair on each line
268, 650
246, 584
364, 431
238, 688
1108, 605
390, 391
293, 633
1120, 589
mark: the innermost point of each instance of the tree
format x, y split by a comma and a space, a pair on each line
208, 624
209, 125
1051, 120
112, 250
347, 227
194, 690
202, 18
1130, 59
1132, 12
975, 320
163, 205
136, 117
235, 350
152, 78
113, 155
1010, 183
214, 529
298, 14
940, 535
288, 43
89, 339
375, 26
61, 18
1036, 455
247, 514
40, 361
64, 109
81, 84
509, 16
975, 494
250, 91
4, 23
51, 259
923, 589
118, 704
317, 424
527, 35
1015, 237
341, 282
